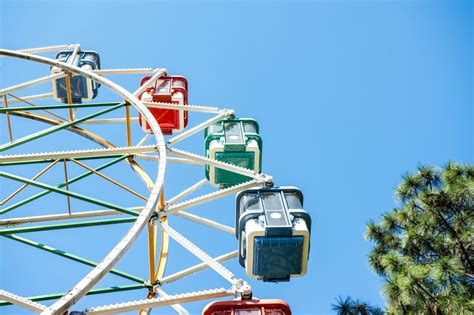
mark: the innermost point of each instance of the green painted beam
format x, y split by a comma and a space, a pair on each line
63, 184
72, 257
52, 160
64, 106
53, 129
69, 193
63, 226
38, 298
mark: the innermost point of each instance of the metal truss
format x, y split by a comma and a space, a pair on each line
153, 214
21, 301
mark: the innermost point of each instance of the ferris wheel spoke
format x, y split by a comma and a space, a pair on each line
177, 307
161, 301
173, 208
55, 296
28, 98
63, 106
168, 159
199, 253
31, 83
188, 191
53, 129
48, 48
76, 154
72, 257
206, 222
126, 71
61, 217
219, 164
69, 193
21, 301
190, 132
63, 226
196, 268
188, 107
159, 73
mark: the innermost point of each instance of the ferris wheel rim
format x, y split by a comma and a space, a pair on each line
97, 273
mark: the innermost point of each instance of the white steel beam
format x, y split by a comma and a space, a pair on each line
196, 268
47, 48
170, 209
161, 301
126, 71
168, 159
188, 191
65, 216
22, 301
27, 98
77, 154
207, 222
188, 133
199, 253
27, 84
177, 307
216, 163
108, 121
156, 76
191, 108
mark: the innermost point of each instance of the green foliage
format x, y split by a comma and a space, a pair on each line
349, 306
424, 249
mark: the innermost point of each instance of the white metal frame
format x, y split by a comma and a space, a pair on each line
83, 286
174, 205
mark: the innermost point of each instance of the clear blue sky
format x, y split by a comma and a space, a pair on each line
349, 96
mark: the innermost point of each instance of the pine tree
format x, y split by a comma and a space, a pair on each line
424, 249
349, 306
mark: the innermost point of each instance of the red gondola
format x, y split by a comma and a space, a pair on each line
168, 89
248, 307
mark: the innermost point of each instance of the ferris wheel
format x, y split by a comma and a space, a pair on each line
272, 230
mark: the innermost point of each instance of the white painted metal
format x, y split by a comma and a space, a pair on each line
207, 222
168, 159
188, 133
76, 49
47, 49
108, 121
212, 162
191, 108
156, 76
172, 207
28, 98
126, 71
27, 84
187, 191
143, 140
177, 307
199, 253
83, 286
161, 301
22, 301
76, 154
66, 216
196, 268
211, 196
